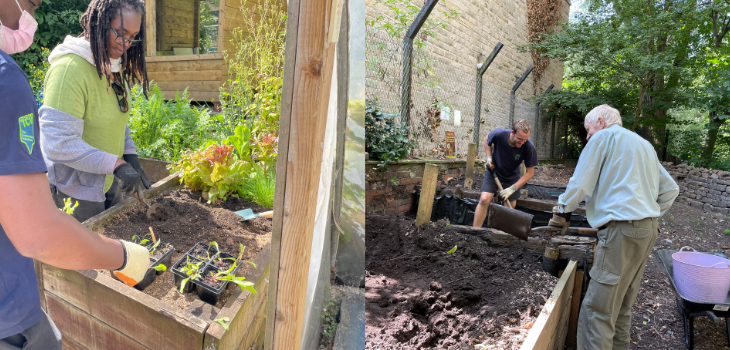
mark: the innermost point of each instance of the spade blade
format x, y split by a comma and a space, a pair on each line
512, 221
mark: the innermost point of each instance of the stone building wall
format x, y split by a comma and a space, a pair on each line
477, 30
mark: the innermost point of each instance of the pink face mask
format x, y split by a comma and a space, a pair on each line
14, 41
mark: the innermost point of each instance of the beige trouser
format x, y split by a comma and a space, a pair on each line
621, 253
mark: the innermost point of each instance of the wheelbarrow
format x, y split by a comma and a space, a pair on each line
689, 309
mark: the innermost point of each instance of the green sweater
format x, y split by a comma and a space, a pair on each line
73, 86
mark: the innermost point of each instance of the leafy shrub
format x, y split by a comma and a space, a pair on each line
260, 185
386, 138
162, 129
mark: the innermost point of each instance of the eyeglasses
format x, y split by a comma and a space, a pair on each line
120, 39
119, 91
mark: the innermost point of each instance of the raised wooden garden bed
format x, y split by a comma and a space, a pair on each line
95, 311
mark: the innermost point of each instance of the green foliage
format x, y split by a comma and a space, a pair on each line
56, 19
229, 276
160, 267
163, 129
213, 169
330, 308
452, 250
252, 94
260, 185
222, 321
67, 207
208, 41
192, 270
386, 138
727, 231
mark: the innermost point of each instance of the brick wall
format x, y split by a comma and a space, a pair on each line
478, 28
391, 192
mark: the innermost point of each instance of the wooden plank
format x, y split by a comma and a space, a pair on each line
471, 154
159, 25
208, 56
575, 310
85, 330
70, 344
221, 25
151, 27
176, 12
310, 87
148, 320
203, 75
39, 276
254, 338
196, 23
185, 66
428, 190
241, 307
184, 33
201, 96
548, 329
207, 86
287, 96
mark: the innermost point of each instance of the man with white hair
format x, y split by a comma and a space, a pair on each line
626, 190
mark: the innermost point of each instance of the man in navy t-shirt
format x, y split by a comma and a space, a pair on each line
31, 227
506, 149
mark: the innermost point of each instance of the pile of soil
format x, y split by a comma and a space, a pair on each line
190, 220
418, 296
656, 322
552, 173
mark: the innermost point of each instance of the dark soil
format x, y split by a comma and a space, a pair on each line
208, 279
656, 322
552, 173
418, 296
160, 251
190, 221
476, 184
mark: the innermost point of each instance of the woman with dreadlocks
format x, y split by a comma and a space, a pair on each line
84, 134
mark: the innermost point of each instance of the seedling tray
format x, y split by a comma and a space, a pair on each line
208, 293
165, 259
180, 276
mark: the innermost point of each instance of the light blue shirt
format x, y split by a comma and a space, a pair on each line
620, 177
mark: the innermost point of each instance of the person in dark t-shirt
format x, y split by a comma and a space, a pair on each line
506, 149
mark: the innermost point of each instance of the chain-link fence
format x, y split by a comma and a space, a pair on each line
443, 98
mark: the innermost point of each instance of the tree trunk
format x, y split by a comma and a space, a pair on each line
714, 128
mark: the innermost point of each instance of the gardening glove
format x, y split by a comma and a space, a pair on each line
560, 219
131, 181
505, 193
136, 262
489, 164
133, 160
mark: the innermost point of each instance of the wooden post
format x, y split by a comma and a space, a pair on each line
304, 105
151, 27
428, 190
552, 253
575, 310
222, 29
470, 165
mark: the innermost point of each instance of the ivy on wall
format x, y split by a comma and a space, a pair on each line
542, 16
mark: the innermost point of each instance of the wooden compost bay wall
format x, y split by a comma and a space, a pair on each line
96, 312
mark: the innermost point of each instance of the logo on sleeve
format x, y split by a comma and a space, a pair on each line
27, 135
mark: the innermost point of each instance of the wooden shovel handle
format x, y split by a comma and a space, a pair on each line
499, 186
586, 231
267, 214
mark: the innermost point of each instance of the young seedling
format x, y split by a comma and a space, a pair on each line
191, 270
727, 231
229, 276
160, 267
222, 321
452, 250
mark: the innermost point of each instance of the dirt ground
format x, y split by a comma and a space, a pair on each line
419, 296
543, 173
190, 221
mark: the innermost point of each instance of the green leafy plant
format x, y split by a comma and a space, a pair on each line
163, 129
208, 41
192, 270
330, 308
222, 321
261, 185
229, 276
386, 137
67, 207
727, 231
452, 250
160, 267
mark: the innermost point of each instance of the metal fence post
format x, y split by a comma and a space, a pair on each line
552, 139
512, 96
481, 68
537, 119
405, 105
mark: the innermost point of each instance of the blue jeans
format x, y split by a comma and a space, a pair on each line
41, 336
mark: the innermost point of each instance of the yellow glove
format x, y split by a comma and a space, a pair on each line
136, 262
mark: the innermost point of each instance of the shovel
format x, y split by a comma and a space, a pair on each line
508, 219
247, 214
154, 211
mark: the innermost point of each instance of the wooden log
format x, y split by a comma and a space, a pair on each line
153, 323
85, 330
304, 114
428, 190
571, 240
503, 239
551, 326
471, 154
552, 253
576, 252
575, 310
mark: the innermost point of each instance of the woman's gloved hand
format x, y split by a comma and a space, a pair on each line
131, 181
136, 262
133, 160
